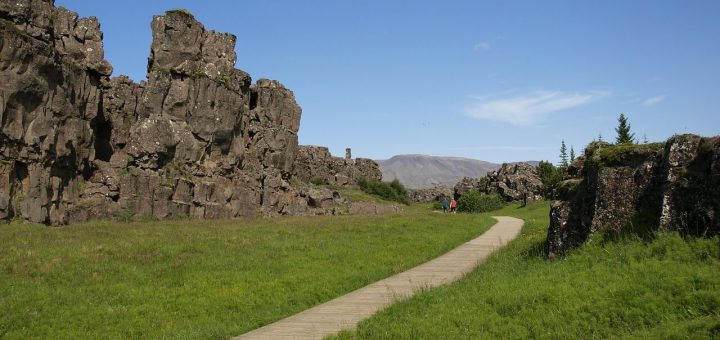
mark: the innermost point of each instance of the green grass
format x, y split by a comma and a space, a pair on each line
354, 194
203, 279
667, 287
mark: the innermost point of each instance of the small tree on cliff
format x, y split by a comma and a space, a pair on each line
563, 155
572, 154
623, 130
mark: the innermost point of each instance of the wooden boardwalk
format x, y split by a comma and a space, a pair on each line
347, 311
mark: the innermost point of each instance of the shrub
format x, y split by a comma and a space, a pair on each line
319, 181
476, 202
550, 176
391, 191
199, 74
224, 81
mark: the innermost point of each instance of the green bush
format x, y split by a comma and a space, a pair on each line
476, 202
550, 177
319, 181
391, 191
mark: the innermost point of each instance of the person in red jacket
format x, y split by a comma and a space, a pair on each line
453, 205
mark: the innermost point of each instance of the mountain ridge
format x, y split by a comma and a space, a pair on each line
419, 171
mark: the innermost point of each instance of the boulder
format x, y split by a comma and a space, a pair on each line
515, 182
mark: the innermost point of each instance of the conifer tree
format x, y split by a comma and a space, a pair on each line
600, 137
563, 155
572, 154
623, 131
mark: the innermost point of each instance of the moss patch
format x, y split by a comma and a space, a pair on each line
181, 11
611, 155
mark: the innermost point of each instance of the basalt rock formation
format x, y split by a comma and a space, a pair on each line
429, 195
198, 138
640, 188
316, 164
468, 184
515, 182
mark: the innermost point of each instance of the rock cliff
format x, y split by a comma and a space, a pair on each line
198, 138
640, 188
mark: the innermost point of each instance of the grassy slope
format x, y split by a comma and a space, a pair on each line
203, 279
667, 287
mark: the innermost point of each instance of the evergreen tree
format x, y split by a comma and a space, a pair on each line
563, 155
600, 137
645, 140
572, 154
623, 130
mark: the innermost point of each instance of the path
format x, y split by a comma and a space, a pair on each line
347, 311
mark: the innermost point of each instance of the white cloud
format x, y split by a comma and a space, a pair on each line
652, 101
481, 46
528, 108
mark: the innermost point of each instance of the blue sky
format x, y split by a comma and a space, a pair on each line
492, 80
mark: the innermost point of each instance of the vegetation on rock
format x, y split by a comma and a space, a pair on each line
618, 154
182, 11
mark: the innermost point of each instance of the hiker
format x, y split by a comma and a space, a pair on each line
445, 204
453, 205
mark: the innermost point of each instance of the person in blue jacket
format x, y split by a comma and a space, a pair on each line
445, 204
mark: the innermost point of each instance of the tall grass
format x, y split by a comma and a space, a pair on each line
203, 279
660, 288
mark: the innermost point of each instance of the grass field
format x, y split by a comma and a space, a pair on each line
203, 279
667, 287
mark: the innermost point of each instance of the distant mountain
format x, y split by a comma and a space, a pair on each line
421, 171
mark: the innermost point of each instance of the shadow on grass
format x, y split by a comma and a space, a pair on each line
537, 250
642, 227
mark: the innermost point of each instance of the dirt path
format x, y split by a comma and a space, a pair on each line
346, 311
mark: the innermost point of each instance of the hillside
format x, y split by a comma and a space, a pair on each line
422, 171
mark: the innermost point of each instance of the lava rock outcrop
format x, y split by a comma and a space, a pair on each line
640, 189
198, 138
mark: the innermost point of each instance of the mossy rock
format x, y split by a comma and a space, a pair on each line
625, 154
181, 11
567, 189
